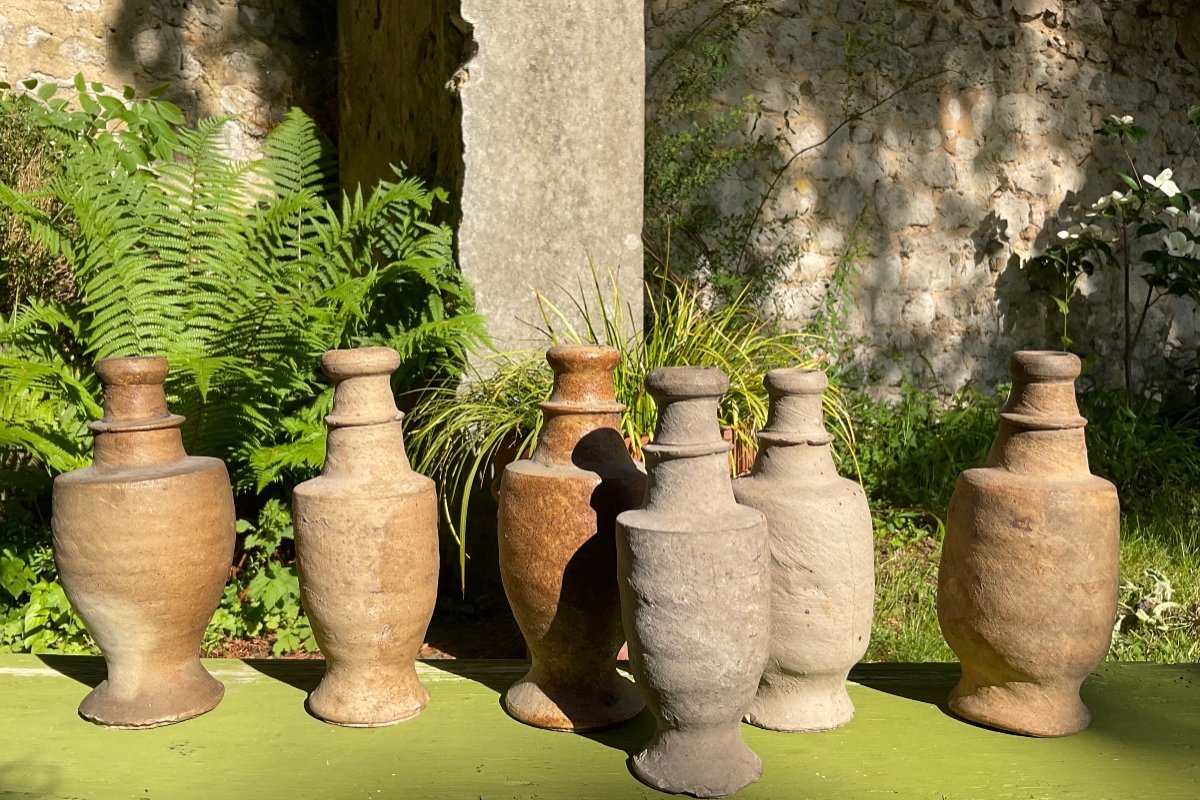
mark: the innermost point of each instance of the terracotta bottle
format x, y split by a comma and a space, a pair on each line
557, 557
1027, 590
822, 561
367, 550
695, 591
143, 540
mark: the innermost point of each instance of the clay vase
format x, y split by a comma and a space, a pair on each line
822, 561
366, 550
557, 557
143, 540
695, 576
1027, 590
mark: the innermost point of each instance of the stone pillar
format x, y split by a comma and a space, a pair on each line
531, 114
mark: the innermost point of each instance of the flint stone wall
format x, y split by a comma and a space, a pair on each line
254, 58
956, 182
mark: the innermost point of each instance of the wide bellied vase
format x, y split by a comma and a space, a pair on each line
695, 592
367, 550
557, 556
143, 540
1027, 590
822, 561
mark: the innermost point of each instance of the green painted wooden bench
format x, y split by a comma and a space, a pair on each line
260, 744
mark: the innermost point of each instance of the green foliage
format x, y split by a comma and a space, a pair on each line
263, 599
1149, 227
459, 433
241, 274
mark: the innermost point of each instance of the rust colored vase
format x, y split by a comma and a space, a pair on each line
1027, 591
557, 553
367, 550
822, 561
143, 540
695, 577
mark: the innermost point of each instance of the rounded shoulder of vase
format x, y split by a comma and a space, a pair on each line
187, 465
383, 486
997, 477
798, 487
728, 519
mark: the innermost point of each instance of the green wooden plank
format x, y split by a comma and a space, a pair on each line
261, 744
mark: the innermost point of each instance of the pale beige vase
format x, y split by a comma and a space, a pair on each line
143, 540
822, 561
1027, 590
367, 550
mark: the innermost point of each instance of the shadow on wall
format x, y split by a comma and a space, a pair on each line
255, 58
941, 145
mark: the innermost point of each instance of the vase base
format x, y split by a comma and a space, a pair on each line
170, 701
801, 708
579, 708
700, 762
343, 701
1024, 708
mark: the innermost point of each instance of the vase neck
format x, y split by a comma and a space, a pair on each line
795, 463
365, 440
794, 444
137, 429
581, 418
1041, 430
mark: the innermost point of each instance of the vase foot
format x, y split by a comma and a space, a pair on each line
1026, 708
156, 702
702, 762
367, 699
580, 707
810, 706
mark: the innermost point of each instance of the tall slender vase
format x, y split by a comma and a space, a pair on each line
1027, 590
557, 557
822, 561
143, 540
695, 592
367, 550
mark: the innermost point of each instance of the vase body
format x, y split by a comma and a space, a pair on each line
1027, 589
367, 550
143, 541
822, 561
557, 555
694, 571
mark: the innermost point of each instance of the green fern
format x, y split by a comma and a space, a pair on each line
241, 274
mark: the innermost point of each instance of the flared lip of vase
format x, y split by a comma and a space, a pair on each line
684, 383
795, 380
1044, 366
132, 370
359, 362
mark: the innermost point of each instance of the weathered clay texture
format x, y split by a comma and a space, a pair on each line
695, 592
1027, 591
367, 550
822, 561
143, 540
557, 557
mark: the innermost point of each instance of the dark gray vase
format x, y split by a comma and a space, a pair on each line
694, 570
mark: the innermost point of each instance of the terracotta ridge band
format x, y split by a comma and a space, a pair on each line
687, 450
137, 425
358, 421
563, 407
1039, 422
770, 437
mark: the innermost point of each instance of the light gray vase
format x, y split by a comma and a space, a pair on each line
822, 561
694, 570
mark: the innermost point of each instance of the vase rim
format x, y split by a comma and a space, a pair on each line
132, 370
682, 383
359, 362
1044, 366
796, 380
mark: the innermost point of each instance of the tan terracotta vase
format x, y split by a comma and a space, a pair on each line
143, 540
367, 550
557, 553
1027, 591
695, 578
822, 561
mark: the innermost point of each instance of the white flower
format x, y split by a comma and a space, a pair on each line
1163, 183
1125, 120
1115, 198
1172, 211
1064, 235
1193, 221
1179, 245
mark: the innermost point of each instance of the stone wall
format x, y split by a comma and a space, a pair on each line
958, 179
255, 58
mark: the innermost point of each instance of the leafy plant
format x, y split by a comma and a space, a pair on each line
1152, 224
241, 274
37, 616
460, 433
